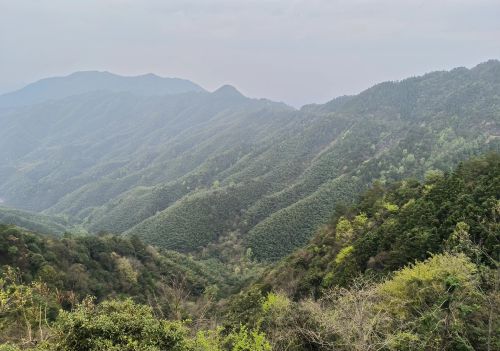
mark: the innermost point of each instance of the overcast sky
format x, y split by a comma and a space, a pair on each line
297, 51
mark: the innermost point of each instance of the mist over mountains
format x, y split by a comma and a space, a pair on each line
342, 195
145, 213
184, 168
91, 81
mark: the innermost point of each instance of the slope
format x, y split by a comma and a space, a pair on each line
394, 225
324, 159
105, 266
187, 170
34, 221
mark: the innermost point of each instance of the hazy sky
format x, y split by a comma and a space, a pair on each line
297, 51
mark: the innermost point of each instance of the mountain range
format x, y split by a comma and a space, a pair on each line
145, 213
183, 168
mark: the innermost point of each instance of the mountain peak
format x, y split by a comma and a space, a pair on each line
228, 91
87, 81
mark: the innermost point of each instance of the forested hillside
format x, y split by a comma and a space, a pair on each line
410, 266
395, 224
249, 175
37, 222
185, 171
108, 266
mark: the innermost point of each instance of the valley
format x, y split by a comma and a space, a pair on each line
146, 214
252, 175
183, 170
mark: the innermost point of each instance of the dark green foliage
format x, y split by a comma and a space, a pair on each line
103, 266
320, 164
405, 221
195, 221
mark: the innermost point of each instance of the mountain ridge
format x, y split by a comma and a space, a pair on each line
184, 170
88, 81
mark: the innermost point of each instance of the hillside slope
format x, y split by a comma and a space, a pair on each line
105, 266
394, 225
391, 131
34, 221
412, 266
184, 171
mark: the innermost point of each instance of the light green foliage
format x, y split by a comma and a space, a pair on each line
25, 310
278, 318
341, 256
112, 325
391, 207
275, 303
237, 340
7, 347
360, 221
433, 175
404, 341
459, 241
244, 340
436, 279
208, 340
125, 269
344, 230
437, 305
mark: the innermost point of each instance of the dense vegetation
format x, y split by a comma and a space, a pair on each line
186, 170
111, 293
385, 237
37, 222
396, 224
108, 266
410, 266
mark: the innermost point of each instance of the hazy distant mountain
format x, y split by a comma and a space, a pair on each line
183, 171
84, 82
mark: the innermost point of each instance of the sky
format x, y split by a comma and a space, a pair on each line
295, 51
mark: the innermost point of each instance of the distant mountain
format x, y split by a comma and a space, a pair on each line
187, 171
228, 91
89, 81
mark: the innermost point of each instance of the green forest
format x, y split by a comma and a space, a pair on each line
410, 266
153, 215
182, 171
